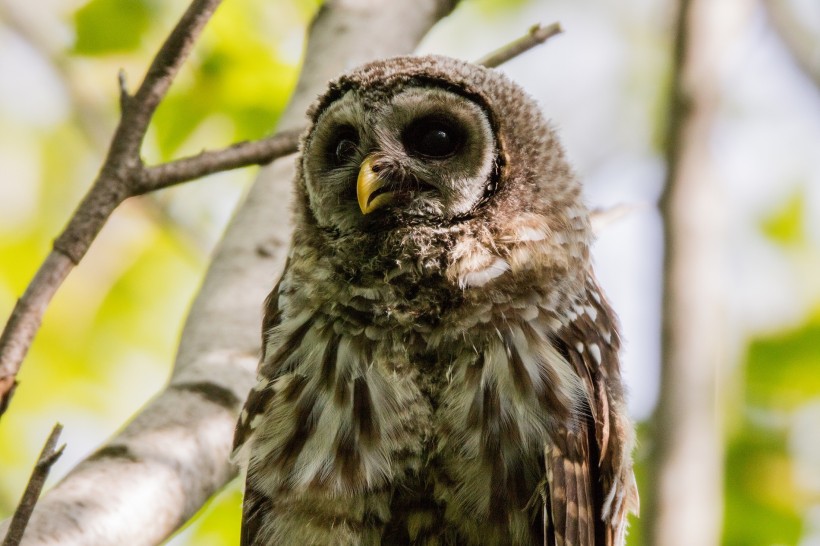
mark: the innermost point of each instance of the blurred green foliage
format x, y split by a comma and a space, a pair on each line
766, 497
236, 70
786, 224
108, 26
765, 501
782, 369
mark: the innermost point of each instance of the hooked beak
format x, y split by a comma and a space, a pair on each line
368, 186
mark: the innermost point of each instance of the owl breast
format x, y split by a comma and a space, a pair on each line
374, 389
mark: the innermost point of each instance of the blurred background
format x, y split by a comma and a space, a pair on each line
108, 339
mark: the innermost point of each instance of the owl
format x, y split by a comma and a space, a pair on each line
440, 366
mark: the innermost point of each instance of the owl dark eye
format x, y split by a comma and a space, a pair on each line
433, 138
343, 146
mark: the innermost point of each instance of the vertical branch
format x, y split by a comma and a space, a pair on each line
685, 501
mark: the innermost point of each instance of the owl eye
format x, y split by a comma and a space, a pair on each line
344, 145
433, 138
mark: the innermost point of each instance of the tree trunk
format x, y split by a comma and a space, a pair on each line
686, 490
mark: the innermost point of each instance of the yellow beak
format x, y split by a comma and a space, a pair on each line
367, 184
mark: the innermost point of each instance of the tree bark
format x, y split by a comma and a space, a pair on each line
155, 474
685, 501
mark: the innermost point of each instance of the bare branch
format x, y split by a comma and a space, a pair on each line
117, 180
603, 218
243, 154
537, 35
25, 320
125, 97
137, 115
48, 457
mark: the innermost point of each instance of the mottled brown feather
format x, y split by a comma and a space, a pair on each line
579, 473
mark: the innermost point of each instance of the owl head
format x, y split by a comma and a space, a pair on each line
428, 141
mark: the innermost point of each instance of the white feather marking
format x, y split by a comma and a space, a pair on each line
579, 347
280, 333
553, 324
366, 292
256, 420
529, 313
527, 233
606, 335
610, 496
243, 417
481, 277
596, 296
559, 238
595, 351
591, 311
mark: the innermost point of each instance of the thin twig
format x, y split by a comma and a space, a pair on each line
603, 218
537, 35
21, 516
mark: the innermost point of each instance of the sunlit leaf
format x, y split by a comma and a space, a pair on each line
760, 507
218, 522
105, 26
494, 7
786, 224
782, 369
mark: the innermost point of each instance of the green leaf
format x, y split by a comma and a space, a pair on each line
218, 522
785, 225
761, 506
105, 26
496, 7
781, 369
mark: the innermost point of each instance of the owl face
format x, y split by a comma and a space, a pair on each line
416, 153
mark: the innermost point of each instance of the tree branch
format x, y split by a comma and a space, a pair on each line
118, 179
45, 461
259, 152
139, 109
536, 36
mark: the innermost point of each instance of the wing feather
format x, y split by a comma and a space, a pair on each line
589, 473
